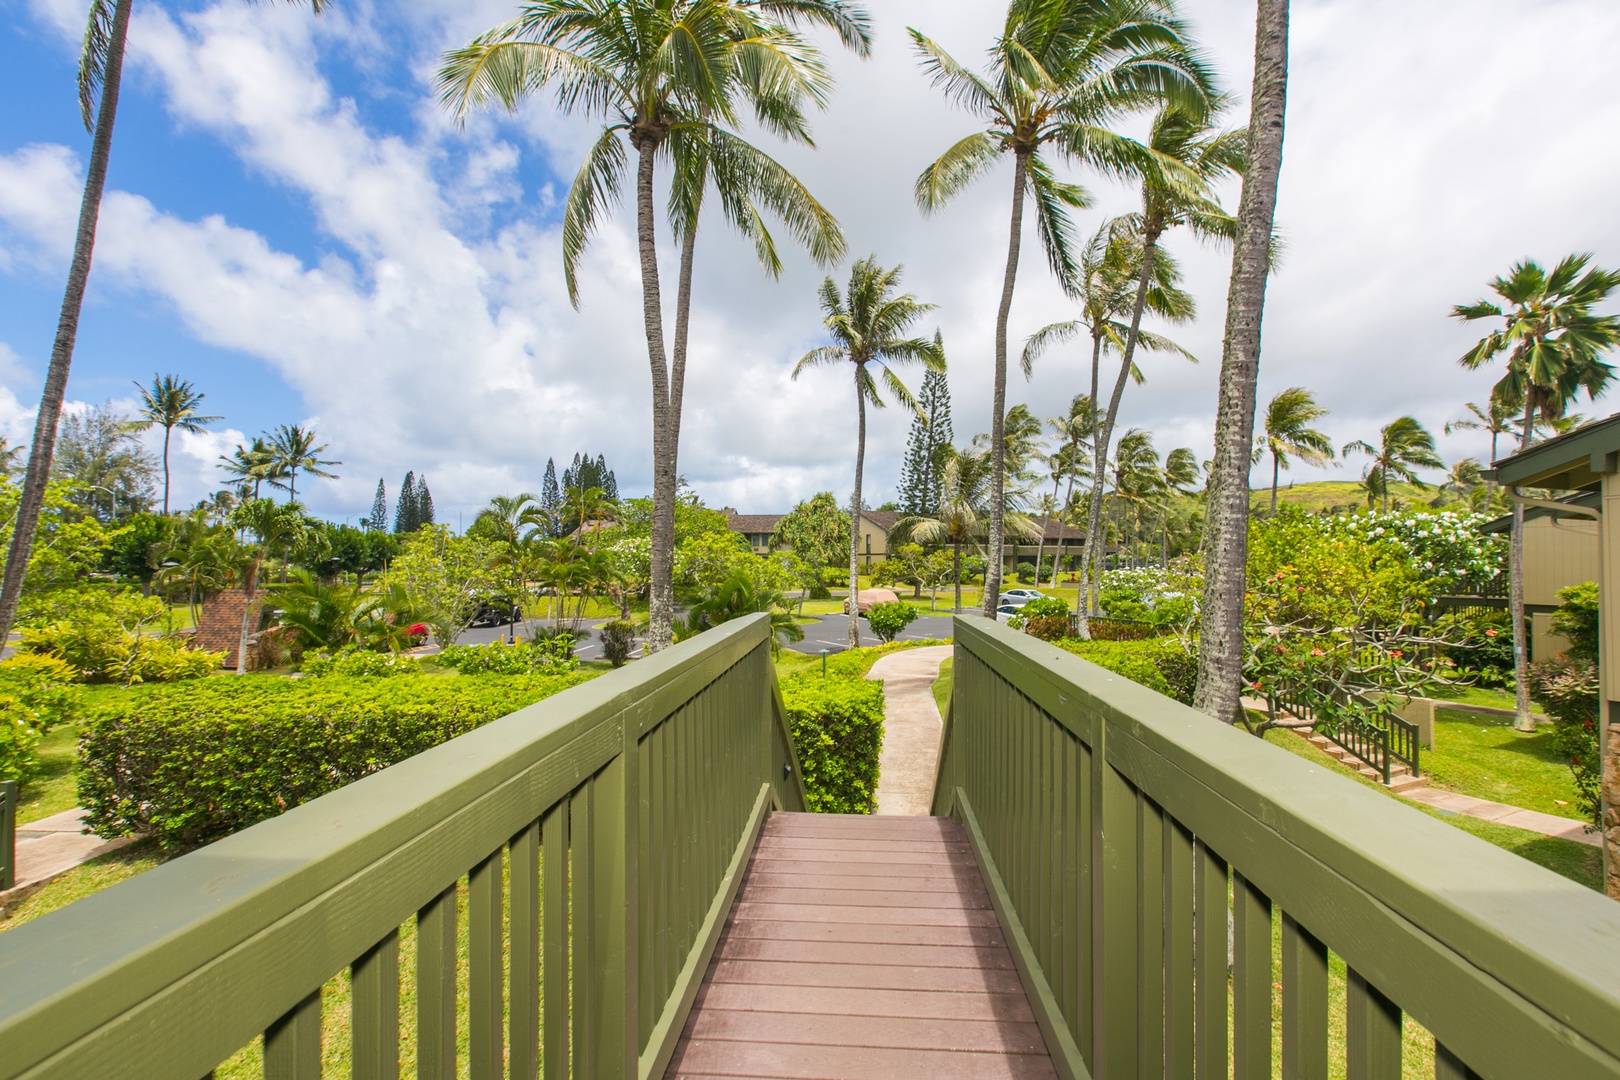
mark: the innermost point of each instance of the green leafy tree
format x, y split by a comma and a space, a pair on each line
273, 528
1404, 446
1059, 73
551, 498
379, 508
110, 472
816, 530
867, 324
669, 77
887, 621
963, 509
295, 451
1225, 543
1495, 419
334, 615
1555, 343
930, 435
101, 66
169, 403
407, 516
250, 465
443, 577
736, 596
1288, 434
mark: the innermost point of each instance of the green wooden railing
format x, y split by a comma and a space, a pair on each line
1139, 852
8, 833
599, 836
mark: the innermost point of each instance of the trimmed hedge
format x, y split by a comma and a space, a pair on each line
193, 763
1161, 664
837, 726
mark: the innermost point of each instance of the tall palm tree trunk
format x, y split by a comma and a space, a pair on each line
677, 366
956, 555
661, 599
1226, 535
1521, 646
855, 515
998, 405
38, 474
1103, 433
167, 431
247, 611
1276, 475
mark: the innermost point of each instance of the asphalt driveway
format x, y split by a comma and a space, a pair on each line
831, 632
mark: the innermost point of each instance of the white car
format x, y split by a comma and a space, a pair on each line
1020, 597
1006, 611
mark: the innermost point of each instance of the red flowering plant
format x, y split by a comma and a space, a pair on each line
1568, 689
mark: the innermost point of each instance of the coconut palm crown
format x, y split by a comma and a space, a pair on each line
1288, 434
169, 403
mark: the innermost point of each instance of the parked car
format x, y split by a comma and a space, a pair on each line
1007, 611
867, 597
1020, 597
496, 614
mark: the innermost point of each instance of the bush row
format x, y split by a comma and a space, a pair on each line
192, 763
837, 726
1162, 664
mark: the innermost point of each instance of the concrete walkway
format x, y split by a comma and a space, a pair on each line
1530, 820
50, 847
911, 729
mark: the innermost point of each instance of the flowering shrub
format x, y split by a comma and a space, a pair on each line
498, 658
1443, 548
1568, 690
352, 662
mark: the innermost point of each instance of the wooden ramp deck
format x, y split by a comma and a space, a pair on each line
861, 947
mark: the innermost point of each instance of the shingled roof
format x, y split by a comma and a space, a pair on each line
754, 523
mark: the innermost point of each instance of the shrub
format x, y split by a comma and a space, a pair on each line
498, 658
887, 620
617, 638
1162, 664
1108, 629
36, 694
1047, 627
1568, 690
110, 637
1045, 607
359, 663
837, 726
1577, 619
192, 764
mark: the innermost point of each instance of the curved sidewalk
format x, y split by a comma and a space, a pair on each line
911, 729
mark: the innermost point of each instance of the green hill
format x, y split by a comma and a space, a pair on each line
1330, 495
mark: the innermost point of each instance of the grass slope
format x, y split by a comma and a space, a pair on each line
1320, 495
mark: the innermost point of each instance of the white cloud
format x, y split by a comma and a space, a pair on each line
1419, 163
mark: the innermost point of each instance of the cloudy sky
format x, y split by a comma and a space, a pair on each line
292, 223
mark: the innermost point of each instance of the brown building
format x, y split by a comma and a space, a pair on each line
1061, 541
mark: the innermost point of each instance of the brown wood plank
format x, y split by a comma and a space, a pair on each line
1002, 1036
843, 1000
922, 826
881, 882
906, 898
868, 976
697, 1057
841, 844
856, 933
860, 952
776, 864
881, 857
836, 913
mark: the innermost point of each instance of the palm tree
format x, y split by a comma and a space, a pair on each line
170, 403
1496, 419
1288, 431
101, 67
667, 75
1059, 72
1555, 343
867, 323
736, 597
1404, 445
1070, 461
513, 520
273, 526
1462, 480
252, 464
1226, 525
293, 450
963, 509
1109, 291
1138, 480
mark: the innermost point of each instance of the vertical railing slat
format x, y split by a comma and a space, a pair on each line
1372, 1032
1448, 1066
1150, 956
485, 998
554, 925
1178, 951
1251, 981
523, 963
1304, 1004
292, 1045
586, 984
436, 988
374, 1031
1209, 964
1118, 926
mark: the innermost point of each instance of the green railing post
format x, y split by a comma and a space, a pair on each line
8, 833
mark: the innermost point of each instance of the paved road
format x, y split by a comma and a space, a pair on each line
831, 632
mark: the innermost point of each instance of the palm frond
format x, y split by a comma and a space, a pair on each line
93, 58
595, 188
955, 169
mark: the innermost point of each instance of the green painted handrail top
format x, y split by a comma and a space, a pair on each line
68, 973
1555, 943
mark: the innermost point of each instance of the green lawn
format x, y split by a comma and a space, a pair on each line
943, 684
55, 788
1580, 863
1490, 697
1484, 757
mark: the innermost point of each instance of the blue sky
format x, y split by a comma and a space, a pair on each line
293, 224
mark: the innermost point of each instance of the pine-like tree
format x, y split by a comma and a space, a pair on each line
551, 501
424, 503
379, 508
931, 434
405, 519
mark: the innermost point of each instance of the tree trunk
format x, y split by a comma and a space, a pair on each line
1103, 434
1276, 470
167, 431
661, 592
38, 474
247, 610
1226, 533
677, 367
1521, 647
855, 515
957, 557
998, 399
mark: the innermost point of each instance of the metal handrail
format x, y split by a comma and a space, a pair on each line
554, 829
1368, 730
